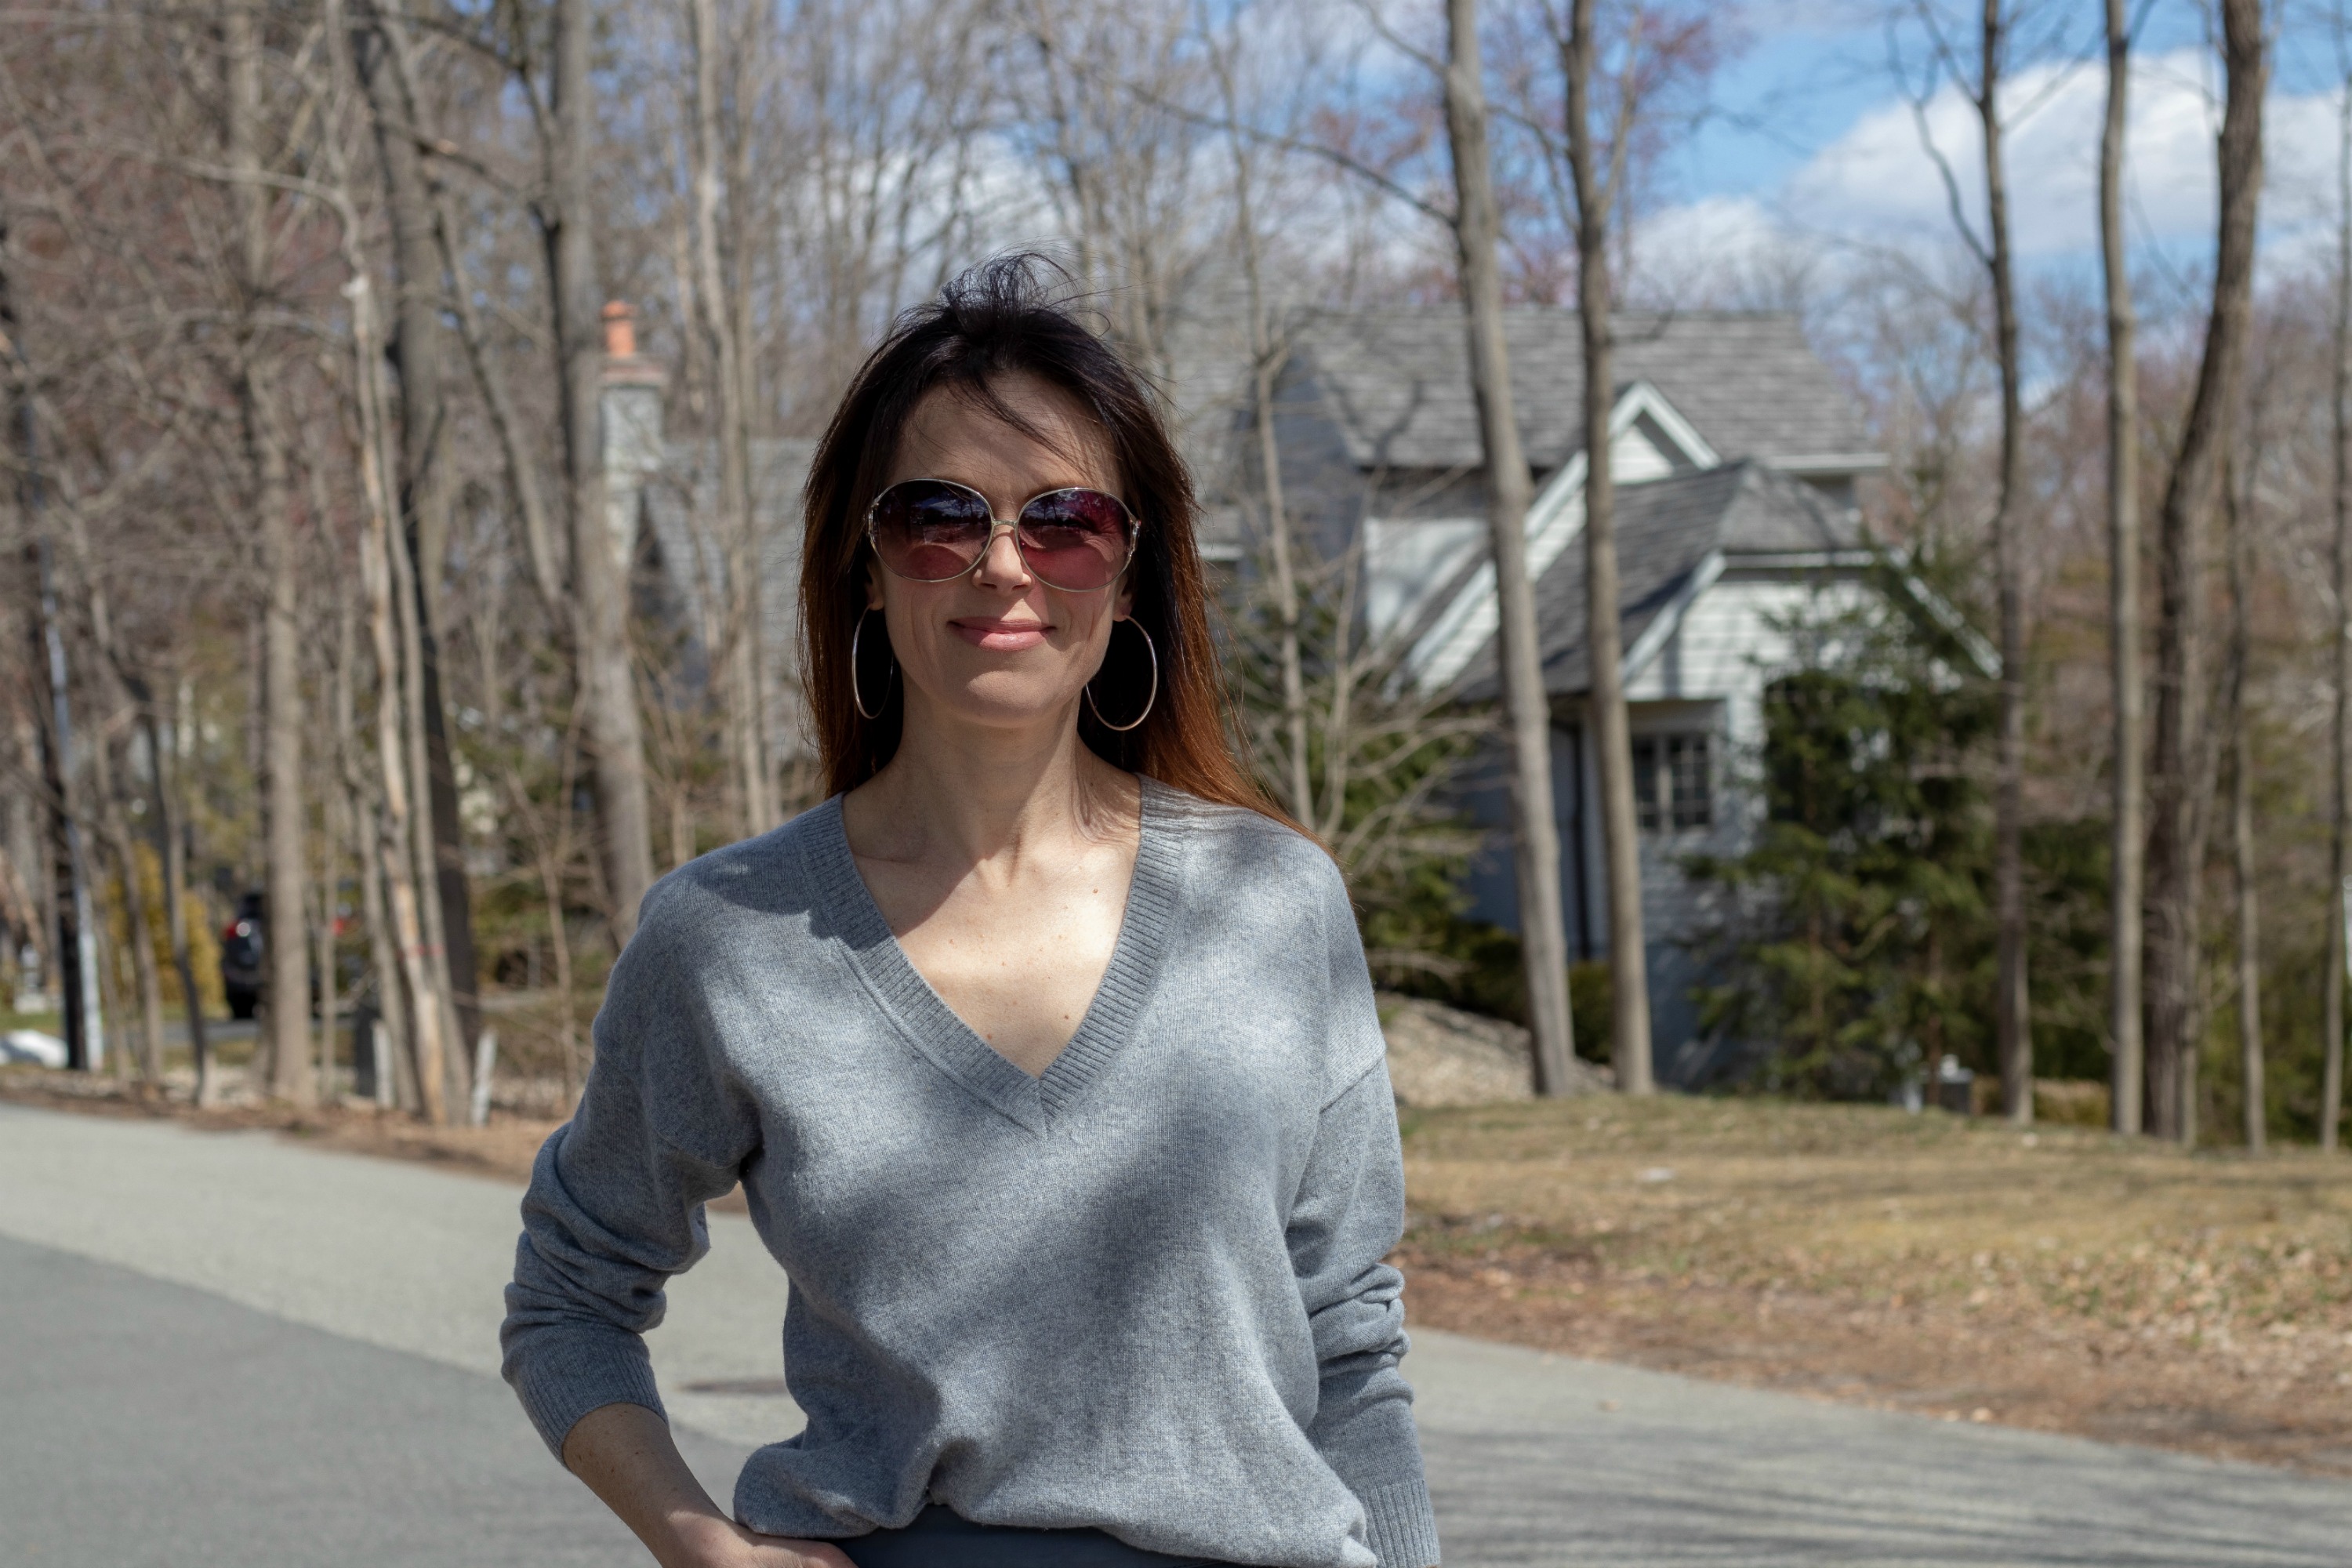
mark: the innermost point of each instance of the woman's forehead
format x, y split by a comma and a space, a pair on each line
1051, 439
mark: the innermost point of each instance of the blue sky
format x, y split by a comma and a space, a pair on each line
1811, 138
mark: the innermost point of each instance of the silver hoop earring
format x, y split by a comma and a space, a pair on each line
1153, 649
857, 699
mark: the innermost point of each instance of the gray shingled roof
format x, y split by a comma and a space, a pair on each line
1398, 382
1665, 529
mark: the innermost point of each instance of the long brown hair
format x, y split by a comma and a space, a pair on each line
996, 321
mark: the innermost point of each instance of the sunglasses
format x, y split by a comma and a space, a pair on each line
934, 531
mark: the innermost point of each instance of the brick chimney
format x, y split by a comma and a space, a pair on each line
633, 426
620, 330
624, 366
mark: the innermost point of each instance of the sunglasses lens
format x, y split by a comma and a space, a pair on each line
928, 531
1076, 539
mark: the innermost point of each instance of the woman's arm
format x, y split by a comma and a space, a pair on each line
626, 1455
1346, 1216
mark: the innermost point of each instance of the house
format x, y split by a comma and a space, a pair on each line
1737, 457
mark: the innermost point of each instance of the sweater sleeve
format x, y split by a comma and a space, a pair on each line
615, 1202
1348, 1215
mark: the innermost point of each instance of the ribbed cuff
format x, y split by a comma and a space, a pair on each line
565, 1376
1399, 1526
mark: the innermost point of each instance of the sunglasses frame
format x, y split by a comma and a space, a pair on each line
997, 525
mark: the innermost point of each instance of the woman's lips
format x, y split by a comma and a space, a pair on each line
1000, 637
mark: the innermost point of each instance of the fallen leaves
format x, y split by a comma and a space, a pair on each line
2080, 1283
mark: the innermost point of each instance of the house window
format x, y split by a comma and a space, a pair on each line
1674, 788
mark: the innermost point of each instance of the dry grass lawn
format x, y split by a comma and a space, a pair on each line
2060, 1279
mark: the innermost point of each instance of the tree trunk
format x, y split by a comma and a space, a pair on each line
551, 886
599, 570
2011, 1022
1535, 831
72, 940
2127, 834
547, 569
77, 950
1298, 754
2178, 784
1613, 744
747, 744
2339, 881
2242, 811
121, 847
108, 783
283, 950
396, 835
389, 580
330, 846
420, 356
173, 851
367, 836
1266, 361
456, 1058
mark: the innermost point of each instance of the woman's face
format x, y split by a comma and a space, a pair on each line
996, 646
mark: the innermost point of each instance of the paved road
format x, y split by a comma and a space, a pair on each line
227, 1349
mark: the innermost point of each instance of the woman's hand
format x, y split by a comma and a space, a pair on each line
723, 1543
626, 1455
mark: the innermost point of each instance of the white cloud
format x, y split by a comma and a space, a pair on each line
1877, 185
1729, 252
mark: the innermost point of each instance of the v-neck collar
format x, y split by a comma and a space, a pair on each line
939, 1032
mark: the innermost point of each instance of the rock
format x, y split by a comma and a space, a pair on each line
1443, 1056
32, 1045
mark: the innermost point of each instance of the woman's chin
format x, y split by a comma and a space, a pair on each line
1005, 699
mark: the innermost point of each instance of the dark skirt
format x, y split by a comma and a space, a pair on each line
941, 1538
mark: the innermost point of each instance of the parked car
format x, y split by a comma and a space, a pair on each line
242, 944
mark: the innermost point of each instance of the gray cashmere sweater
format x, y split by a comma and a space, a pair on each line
1143, 1292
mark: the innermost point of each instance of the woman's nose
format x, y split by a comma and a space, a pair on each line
1001, 565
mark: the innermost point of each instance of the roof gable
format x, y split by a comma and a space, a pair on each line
1674, 538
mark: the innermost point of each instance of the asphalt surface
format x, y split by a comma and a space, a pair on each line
228, 1349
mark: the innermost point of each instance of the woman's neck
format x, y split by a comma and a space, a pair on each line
969, 793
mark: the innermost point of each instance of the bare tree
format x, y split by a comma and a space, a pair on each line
721, 314
1268, 352
284, 951
419, 345
372, 837
2339, 860
1119, 171
1535, 831
2235, 505
615, 735
2180, 779
107, 672
1613, 743
170, 849
2127, 834
2011, 1019
397, 835
1996, 25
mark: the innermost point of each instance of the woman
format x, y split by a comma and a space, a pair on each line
1045, 1052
